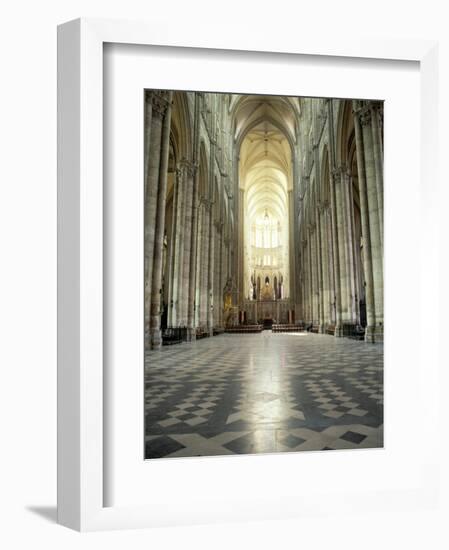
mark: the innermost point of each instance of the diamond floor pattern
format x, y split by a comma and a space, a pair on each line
263, 393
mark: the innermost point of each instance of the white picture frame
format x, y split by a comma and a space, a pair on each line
81, 475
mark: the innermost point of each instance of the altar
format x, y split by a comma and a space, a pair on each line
261, 311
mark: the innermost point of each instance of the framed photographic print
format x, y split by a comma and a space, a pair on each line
233, 286
263, 253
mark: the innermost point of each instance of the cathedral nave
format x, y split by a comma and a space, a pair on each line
263, 273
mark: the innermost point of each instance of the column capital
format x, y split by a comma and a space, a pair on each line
341, 174
377, 111
365, 116
187, 167
218, 225
356, 106
206, 203
336, 176
160, 100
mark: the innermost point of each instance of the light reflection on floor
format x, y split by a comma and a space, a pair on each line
267, 392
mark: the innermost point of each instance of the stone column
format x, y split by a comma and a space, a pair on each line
163, 111
211, 258
323, 266
191, 304
159, 104
306, 270
198, 265
349, 245
301, 294
210, 285
206, 272
374, 221
215, 267
335, 225
173, 260
375, 108
188, 175
205, 263
227, 244
299, 259
305, 274
370, 332
178, 248
309, 273
353, 267
309, 278
148, 98
241, 245
330, 265
291, 248
318, 211
221, 271
340, 190
345, 242
235, 248
313, 270
193, 272
360, 290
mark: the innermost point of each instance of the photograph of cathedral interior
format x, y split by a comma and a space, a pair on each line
263, 274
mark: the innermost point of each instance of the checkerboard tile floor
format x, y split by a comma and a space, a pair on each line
263, 393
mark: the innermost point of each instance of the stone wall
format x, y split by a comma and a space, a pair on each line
195, 210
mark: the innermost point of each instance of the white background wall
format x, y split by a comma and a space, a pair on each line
28, 269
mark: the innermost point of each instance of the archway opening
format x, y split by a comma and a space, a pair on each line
264, 129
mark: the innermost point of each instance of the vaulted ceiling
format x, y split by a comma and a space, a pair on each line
249, 110
265, 129
264, 170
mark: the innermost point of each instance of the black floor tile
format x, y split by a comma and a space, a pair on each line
161, 446
353, 437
